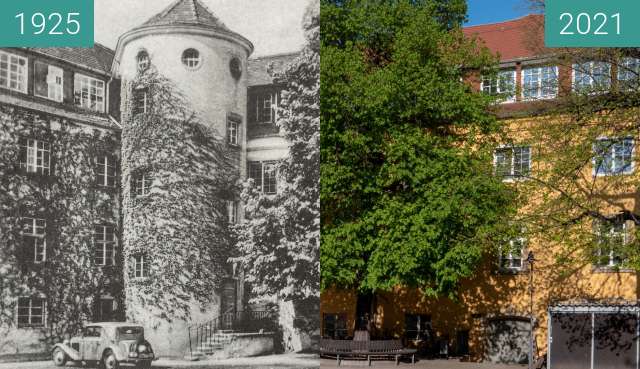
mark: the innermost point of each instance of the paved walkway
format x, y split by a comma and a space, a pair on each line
423, 364
289, 361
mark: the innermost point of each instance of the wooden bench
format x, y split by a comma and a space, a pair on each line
382, 349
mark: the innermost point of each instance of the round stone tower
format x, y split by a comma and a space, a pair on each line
167, 198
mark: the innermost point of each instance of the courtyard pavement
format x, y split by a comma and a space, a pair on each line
289, 361
422, 364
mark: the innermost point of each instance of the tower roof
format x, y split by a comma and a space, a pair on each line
186, 12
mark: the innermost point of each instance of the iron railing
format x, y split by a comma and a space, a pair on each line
238, 322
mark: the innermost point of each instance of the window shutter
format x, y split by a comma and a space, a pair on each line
41, 77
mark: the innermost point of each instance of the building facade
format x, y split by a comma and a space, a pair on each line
491, 319
94, 185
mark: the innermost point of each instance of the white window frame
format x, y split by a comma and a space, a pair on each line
140, 266
625, 67
612, 255
539, 89
104, 162
35, 156
104, 246
55, 83
264, 165
191, 63
579, 68
38, 233
510, 257
19, 76
614, 171
82, 82
143, 183
30, 314
233, 131
261, 103
512, 176
498, 77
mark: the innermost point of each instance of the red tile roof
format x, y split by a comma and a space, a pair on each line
97, 58
191, 12
514, 39
259, 67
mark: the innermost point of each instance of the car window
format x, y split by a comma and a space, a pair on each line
130, 333
92, 331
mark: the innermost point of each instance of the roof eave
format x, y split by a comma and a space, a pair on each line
179, 27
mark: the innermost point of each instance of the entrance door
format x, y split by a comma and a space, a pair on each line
228, 303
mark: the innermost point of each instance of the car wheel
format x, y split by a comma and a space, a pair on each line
144, 365
109, 361
59, 357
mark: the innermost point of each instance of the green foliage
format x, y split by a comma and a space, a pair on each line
181, 225
279, 242
71, 204
407, 191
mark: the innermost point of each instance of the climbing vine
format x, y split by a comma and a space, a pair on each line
71, 204
178, 224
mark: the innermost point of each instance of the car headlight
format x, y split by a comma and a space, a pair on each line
142, 348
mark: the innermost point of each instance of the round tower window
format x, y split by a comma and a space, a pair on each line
143, 61
235, 66
191, 58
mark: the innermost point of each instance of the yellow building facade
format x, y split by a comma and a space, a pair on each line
490, 318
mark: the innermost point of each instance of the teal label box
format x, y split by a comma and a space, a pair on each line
592, 23
47, 23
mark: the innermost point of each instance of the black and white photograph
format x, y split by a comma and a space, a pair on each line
159, 192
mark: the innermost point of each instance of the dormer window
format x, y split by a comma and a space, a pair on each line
89, 93
143, 61
191, 58
591, 77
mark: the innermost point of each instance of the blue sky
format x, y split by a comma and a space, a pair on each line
491, 11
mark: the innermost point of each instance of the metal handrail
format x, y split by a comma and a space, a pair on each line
240, 321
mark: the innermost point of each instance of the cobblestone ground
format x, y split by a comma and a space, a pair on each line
423, 364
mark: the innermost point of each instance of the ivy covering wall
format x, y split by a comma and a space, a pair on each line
70, 202
180, 224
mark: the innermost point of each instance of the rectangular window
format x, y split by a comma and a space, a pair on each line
334, 326
611, 238
504, 84
233, 130
264, 175
31, 312
417, 326
104, 241
142, 183
613, 156
35, 156
539, 83
88, 93
106, 171
629, 73
34, 238
49, 82
232, 211
266, 108
511, 254
512, 162
140, 266
140, 101
13, 72
591, 77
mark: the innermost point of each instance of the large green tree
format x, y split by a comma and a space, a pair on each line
407, 191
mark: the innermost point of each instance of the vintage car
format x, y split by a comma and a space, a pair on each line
107, 344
